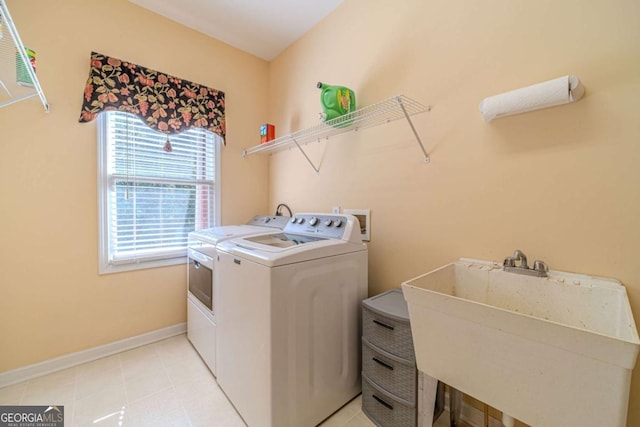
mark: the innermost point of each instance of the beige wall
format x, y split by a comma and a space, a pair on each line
560, 184
52, 300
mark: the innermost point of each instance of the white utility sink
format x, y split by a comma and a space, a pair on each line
549, 351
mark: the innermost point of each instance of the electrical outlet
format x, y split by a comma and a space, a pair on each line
335, 210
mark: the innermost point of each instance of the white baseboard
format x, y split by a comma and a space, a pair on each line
73, 359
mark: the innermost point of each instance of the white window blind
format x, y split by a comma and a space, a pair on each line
151, 199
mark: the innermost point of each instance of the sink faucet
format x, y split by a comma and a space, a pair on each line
520, 256
539, 269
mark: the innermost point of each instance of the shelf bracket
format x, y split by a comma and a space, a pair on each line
404, 110
306, 157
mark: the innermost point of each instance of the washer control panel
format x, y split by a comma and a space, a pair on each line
269, 221
327, 225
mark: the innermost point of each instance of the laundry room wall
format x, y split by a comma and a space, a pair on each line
560, 184
52, 300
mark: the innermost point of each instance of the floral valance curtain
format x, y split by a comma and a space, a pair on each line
165, 103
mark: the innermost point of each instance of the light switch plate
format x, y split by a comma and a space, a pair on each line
364, 217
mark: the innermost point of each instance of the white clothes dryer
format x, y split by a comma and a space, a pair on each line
201, 306
288, 339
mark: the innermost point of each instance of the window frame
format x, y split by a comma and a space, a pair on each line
105, 266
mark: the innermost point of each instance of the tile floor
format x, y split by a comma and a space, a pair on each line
160, 384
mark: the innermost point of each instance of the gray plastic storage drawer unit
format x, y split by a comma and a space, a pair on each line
389, 373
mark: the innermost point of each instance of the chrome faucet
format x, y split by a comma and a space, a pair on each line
520, 256
539, 269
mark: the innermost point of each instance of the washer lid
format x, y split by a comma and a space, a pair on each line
257, 224
217, 234
283, 240
290, 251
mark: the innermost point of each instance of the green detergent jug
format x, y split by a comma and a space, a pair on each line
336, 101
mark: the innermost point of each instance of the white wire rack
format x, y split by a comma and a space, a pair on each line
13, 61
394, 108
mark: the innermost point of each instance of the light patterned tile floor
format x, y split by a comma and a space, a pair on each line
161, 384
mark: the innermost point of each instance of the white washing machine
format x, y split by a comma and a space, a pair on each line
288, 338
201, 306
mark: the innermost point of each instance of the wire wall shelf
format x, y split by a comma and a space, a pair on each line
391, 109
18, 80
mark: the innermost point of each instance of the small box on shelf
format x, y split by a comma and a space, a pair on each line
267, 133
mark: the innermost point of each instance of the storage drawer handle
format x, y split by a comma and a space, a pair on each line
380, 362
384, 325
382, 402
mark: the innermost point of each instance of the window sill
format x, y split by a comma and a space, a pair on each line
106, 268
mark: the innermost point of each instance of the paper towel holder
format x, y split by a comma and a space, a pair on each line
563, 90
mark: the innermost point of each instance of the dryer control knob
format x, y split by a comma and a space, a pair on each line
338, 223
294, 220
266, 220
300, 220
313, 221
328, 223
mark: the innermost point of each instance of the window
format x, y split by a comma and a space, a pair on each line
150, 199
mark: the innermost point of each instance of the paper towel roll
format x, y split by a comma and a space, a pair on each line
542, 95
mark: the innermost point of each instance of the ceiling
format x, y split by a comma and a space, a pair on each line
262, 28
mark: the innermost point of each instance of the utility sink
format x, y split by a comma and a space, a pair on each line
549, 351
